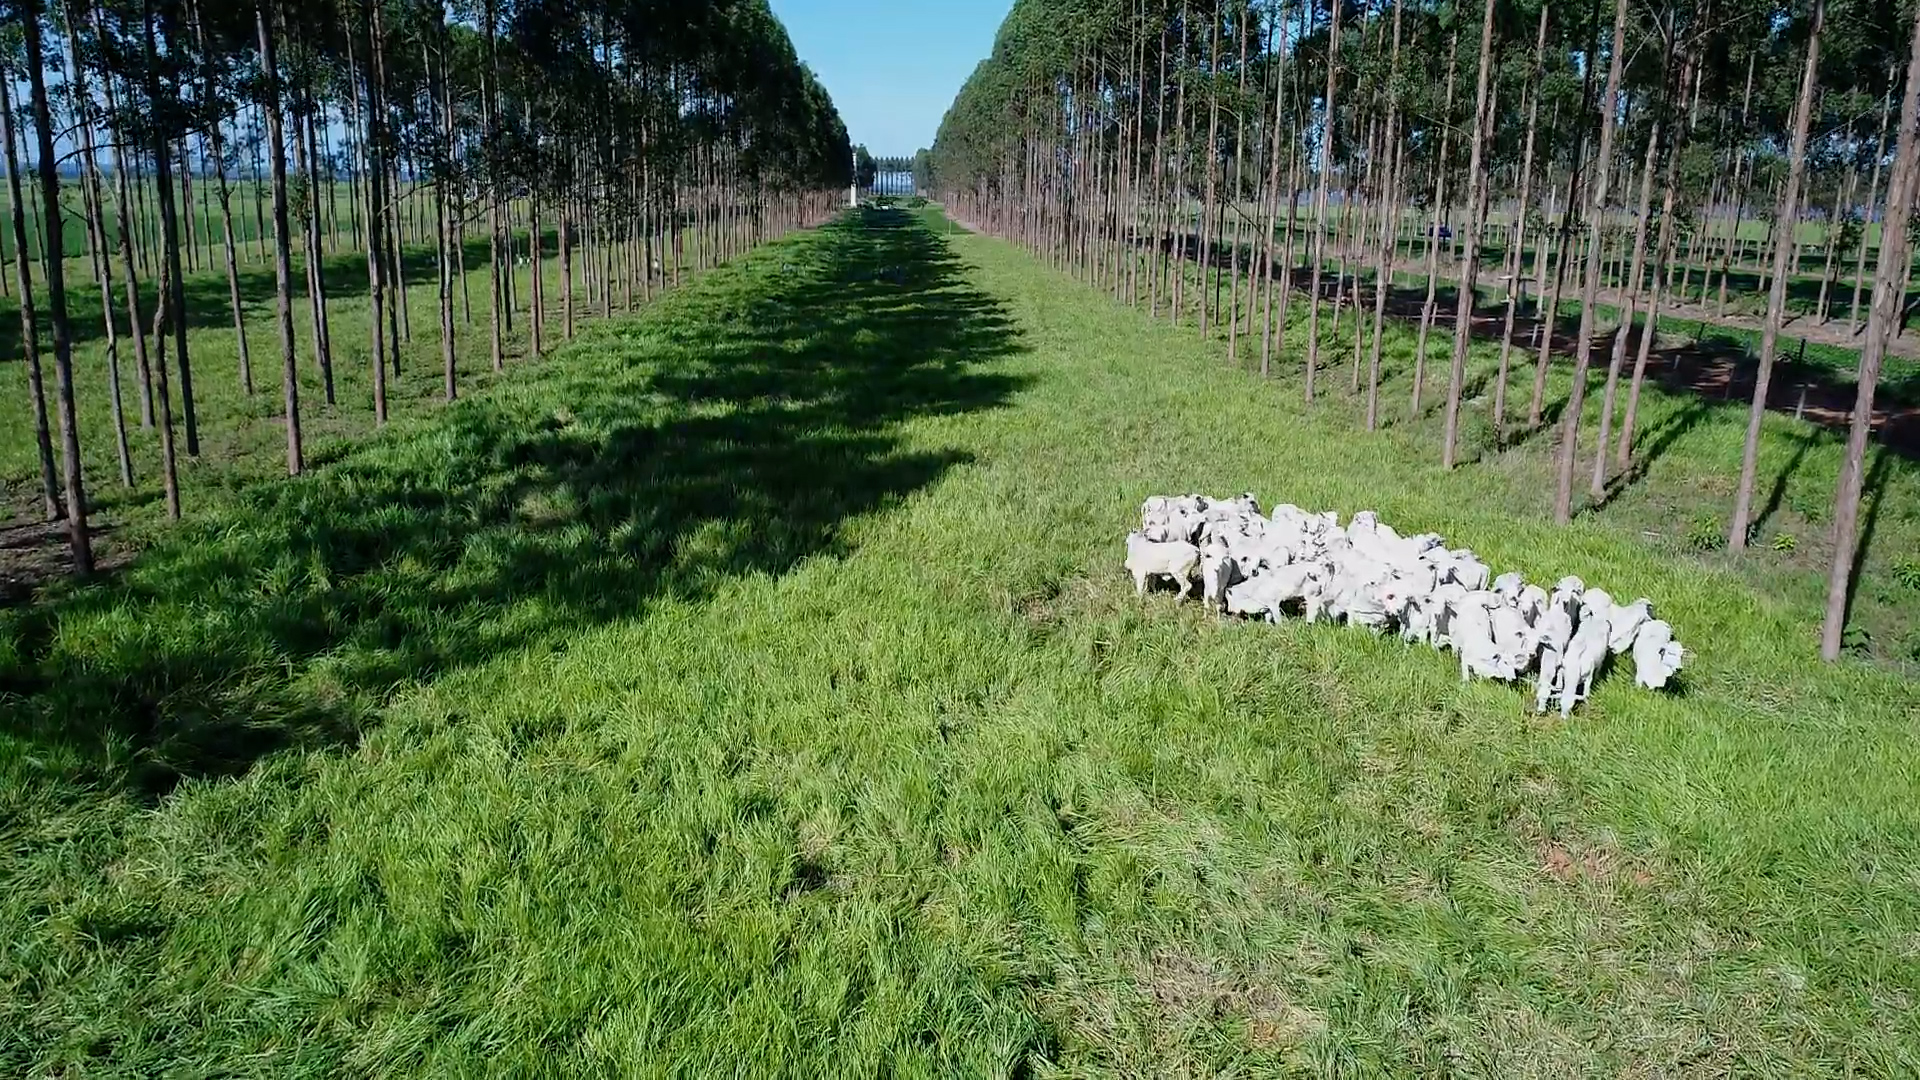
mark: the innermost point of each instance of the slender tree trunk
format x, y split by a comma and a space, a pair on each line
97, 239
1515, 282
124, 232
1742, 180
1843, 194
378, 207
1320, 200
79, 542
1207, 231
1233, 197
175, 297
1389, 223
443, 206
1273, 200
490, 108
303, 158
1428, 309
1873, 195
1470, 265
1590, 284
1888, 285
1629, 304
169, 464
1623, 450
29, 322
1177, 212
282, 235
226, 208
1740, 524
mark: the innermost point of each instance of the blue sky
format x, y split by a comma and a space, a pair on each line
892, 66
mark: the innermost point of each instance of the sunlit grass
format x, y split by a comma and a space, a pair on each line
752, 688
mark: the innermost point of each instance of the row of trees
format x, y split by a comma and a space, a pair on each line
1619, 150
628, 140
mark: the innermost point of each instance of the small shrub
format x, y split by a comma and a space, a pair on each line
1705, 533
917, 202
1906, 571
1785, 543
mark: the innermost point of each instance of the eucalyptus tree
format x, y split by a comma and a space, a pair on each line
1784, 248
660, 133
29, 320
1889, 286
79, 542
1590, 278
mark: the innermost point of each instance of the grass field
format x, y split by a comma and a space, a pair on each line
751, 687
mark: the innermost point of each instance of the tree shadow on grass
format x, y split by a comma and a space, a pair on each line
734, 431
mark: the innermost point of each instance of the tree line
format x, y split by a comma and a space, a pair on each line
1644, 153
629, 141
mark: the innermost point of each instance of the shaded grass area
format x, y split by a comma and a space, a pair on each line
790, 715
575, 493
243, 435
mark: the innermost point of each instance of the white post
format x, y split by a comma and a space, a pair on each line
853, 189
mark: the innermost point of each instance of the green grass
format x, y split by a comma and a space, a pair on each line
252, 207
752, 688
242, 435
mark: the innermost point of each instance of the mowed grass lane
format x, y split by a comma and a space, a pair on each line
752, 689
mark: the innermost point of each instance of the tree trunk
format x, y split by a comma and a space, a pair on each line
1590, 284
175, 297
1741, 522
1433, 233
1389, 224
1320, 200
79, 542
1470, 265
1873, 194
443, 205
124, 233
1207, 230
282, 239
1177, 210
1629, 303
1889, 282
490, 109
1623, 451
29, 322
97, 239
378, 207
1267, 283
1515, 282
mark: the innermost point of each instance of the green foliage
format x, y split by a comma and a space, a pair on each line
1906, 571
1705, 533
1784, 543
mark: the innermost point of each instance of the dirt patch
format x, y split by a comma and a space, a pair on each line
1592, 864
1186, 988
34, 554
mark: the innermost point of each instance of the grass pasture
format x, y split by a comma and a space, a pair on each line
750, 687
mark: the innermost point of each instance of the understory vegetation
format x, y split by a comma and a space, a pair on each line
1644, 161
751, 686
